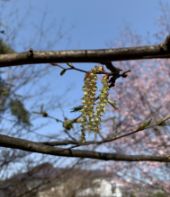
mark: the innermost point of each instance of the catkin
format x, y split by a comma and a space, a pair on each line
92, 112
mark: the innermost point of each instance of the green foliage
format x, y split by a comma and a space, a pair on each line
17, 108
63, 72
5, 48
15, 105
19, 111
4, 94
77, 108
68, 124
144, 125
159, 194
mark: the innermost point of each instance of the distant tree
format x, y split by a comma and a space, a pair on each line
18, 96
134, 94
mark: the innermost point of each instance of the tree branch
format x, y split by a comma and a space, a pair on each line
98, 56
26, 145
141, 127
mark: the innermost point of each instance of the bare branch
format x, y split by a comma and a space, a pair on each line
16, 143
141, 127
98, 56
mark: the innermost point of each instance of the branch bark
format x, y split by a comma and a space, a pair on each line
85, 56
97, 56
26, 145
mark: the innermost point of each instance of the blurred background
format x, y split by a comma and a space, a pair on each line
29, 91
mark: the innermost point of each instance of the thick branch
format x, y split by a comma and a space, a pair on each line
16, 143
98, 56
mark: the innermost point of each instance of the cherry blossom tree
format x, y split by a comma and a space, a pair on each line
135, 129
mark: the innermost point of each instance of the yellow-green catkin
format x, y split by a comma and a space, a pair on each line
103, 100
88, 100
91, 116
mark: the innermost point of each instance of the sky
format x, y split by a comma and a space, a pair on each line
75, 24
90, 24
96, 22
